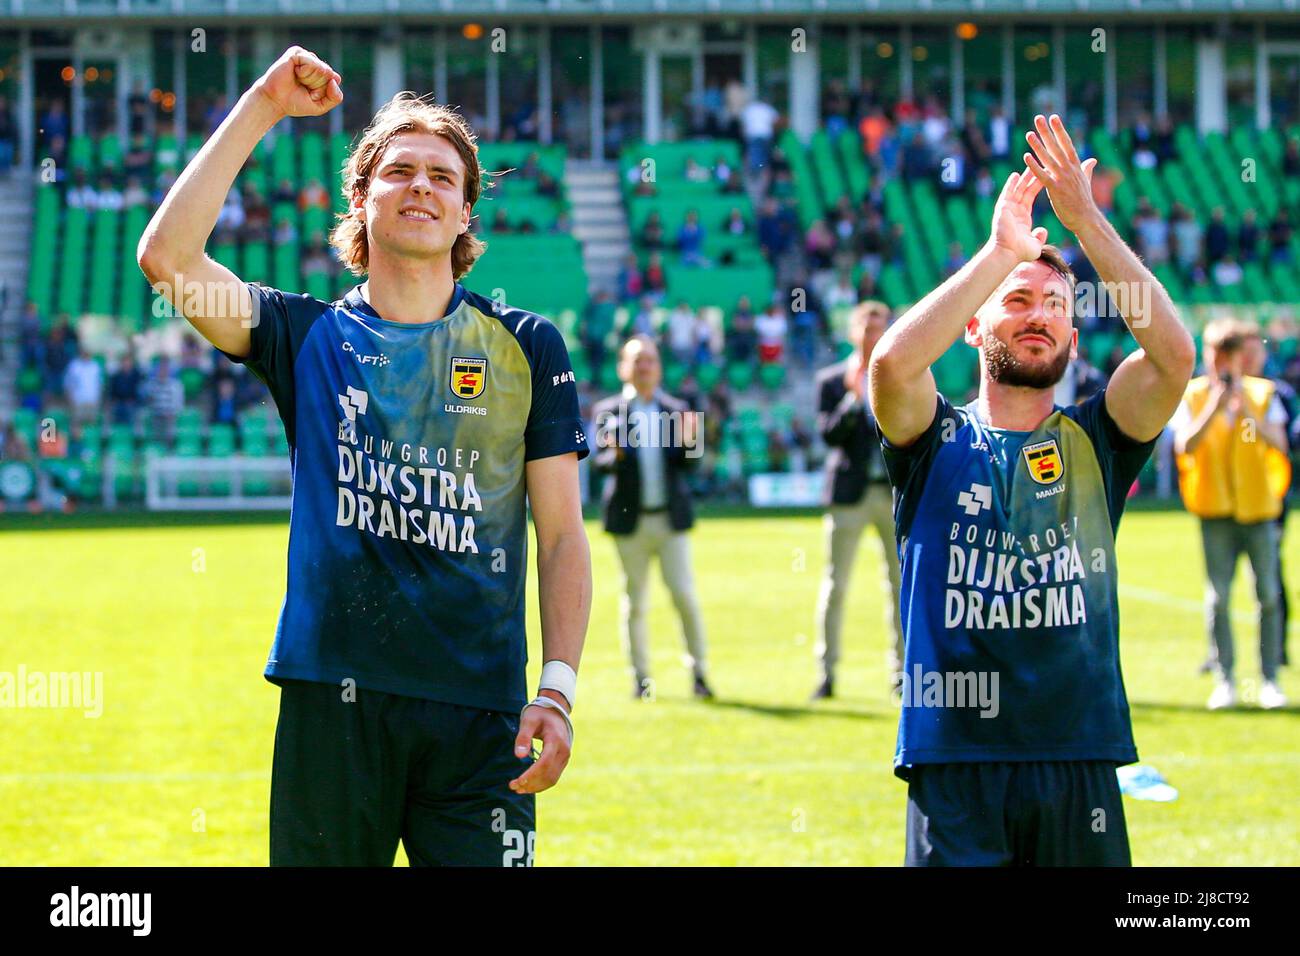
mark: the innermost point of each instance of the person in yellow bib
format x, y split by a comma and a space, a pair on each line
1233, 473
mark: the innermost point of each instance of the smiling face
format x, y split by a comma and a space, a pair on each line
415, 205
1025, 330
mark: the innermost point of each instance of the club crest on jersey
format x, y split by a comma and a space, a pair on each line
1043, 459
468, 377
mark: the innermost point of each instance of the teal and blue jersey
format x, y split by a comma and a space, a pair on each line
1009, 604
408, 530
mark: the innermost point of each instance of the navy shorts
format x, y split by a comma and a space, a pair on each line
352, 778
1039, 813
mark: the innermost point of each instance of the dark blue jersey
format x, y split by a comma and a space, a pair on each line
1009, 601
407, 535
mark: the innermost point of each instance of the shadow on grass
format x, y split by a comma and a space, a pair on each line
795, 711
1160, 707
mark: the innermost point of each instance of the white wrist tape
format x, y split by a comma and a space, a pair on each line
552, 705
559, 676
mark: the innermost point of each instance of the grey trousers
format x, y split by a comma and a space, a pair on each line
1223, 540
844, 527
655, 538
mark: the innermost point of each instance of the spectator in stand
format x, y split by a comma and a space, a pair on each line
680, 332
317, 261
1248, 237
284, 192
705, 347
803, 336
109, 197
973, 141
135, 194
734, 184
643, 322
771, 230
999, 134
842, 293
656, 282
165, 397
630, 283
8, 136
652, 233
722, 171
61, 347
1279, 236
1216, 237
984, 184
690, 241
1152, 234
1187, 236
31, 344
257, 217
14, 445
742, 336
124, 387
1104, 181
286, 233
54, 123
735, 224
216, 114
230, 220
873, 244
81, 195
758, 125
224, 408
1162, 142
83, 386
873, 129
313, 196
501, 223
547, 185
819, 245
917, 162
956, 259
138, 158
1291, 159
694, 172
1227, 273
772, 328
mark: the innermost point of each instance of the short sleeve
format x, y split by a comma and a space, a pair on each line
1121, 458
280, 323
908, 467
555, 425
905, 465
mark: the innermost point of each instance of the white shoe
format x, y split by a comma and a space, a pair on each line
1270, 696
1224, 695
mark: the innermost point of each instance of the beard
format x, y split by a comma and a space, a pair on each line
1005, 369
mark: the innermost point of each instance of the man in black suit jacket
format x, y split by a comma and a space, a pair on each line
646, 441
857, 494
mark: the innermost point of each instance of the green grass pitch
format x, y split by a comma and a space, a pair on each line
179, 618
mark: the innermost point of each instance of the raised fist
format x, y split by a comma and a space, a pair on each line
301, 84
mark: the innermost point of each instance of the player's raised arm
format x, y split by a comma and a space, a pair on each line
171, 253
900, 385
1145, 390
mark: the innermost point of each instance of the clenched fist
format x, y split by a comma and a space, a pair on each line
301, 84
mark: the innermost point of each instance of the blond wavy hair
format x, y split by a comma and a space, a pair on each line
406, 112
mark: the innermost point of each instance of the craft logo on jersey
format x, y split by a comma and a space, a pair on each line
468, 376
1044, 461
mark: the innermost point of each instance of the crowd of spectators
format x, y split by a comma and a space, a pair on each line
57, 371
